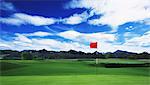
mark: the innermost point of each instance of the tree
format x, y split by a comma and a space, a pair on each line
144, 55
26, 56
109, 55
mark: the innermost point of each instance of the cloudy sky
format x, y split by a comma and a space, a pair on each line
73, 24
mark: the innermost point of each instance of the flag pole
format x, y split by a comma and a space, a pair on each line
96, 59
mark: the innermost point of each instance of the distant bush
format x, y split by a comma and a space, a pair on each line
86, 60
26, 56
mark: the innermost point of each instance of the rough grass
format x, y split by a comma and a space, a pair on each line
70, 72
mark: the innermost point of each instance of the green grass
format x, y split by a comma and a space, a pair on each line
69, 72
4, 66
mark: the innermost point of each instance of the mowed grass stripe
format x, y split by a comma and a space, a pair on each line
76, 80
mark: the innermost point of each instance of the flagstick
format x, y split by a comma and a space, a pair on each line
94, 45
96, 60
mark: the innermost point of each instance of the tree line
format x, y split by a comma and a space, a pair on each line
71, 54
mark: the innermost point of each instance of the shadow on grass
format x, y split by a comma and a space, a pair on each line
120, 65
4, 66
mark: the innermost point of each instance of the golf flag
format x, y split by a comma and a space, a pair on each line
93, 44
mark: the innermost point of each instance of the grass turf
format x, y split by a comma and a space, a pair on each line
68, 72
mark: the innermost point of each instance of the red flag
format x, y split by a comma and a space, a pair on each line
93, 45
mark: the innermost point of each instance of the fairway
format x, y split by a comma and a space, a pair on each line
71, 72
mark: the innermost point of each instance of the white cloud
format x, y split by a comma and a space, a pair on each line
58, 45
12, 21
129, 35
21, 18
104, 46
114, 12
146, 21
3, 45
35, 20
22, 38
137, 49
139, 41
69, 34
73, 35
22, 42
76, 18
39, 33
7, 6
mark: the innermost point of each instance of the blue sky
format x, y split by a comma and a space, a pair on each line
73, 24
